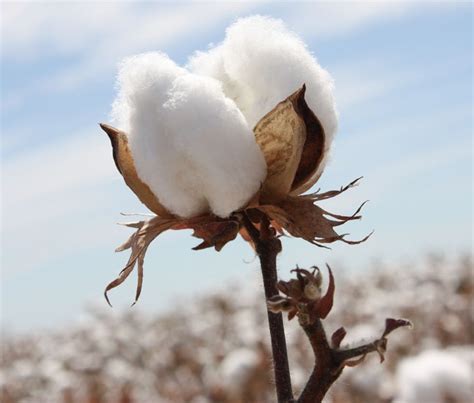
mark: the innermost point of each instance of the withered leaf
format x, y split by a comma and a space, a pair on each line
277, 304
301, 218
292, 313
140, 262
381, 348
325, 304
214, 231
291, 288
138, 242
333, 193
337, 337
355, 362
246, 237
393, 324
126, 166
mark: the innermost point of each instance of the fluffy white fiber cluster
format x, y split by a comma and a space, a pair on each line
190, 129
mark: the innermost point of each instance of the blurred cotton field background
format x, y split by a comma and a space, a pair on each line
214, 348
403, 87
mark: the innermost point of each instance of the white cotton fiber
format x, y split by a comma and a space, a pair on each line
260, 63
190, 143
436, 375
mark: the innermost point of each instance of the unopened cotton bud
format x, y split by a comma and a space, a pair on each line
312, 291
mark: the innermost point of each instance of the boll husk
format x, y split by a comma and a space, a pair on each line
185, 144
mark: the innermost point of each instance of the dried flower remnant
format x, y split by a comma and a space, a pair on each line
310, 308
186, 147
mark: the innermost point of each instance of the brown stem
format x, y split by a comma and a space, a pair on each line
326, 369
342, 356
330, 362
267, 247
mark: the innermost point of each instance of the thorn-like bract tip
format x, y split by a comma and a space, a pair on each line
111, 131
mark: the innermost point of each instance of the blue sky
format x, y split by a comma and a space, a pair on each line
403, 74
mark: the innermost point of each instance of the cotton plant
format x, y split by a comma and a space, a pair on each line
227, 145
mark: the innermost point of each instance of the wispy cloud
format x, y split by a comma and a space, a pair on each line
37, 30
69, 28
44, 192
74, 161
98, 35
362, 81
340, 18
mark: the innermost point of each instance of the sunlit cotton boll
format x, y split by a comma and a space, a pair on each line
190, 143
260, 63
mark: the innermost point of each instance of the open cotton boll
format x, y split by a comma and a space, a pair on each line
260, 62
143, 82
191, 145
212, 134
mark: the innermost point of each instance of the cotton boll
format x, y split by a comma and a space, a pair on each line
191, 145
212, 134
236, 368
260, 63
143, 82
434, 375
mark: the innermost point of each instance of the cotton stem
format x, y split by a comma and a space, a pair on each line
267, 247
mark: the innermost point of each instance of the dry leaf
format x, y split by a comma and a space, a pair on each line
215, 233
337, 337
138, 242
325, 304
354, 363
301, 218
393, 324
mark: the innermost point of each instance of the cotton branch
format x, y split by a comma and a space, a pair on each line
303, 299
267, 246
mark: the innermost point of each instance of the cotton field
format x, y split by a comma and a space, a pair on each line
214, 348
